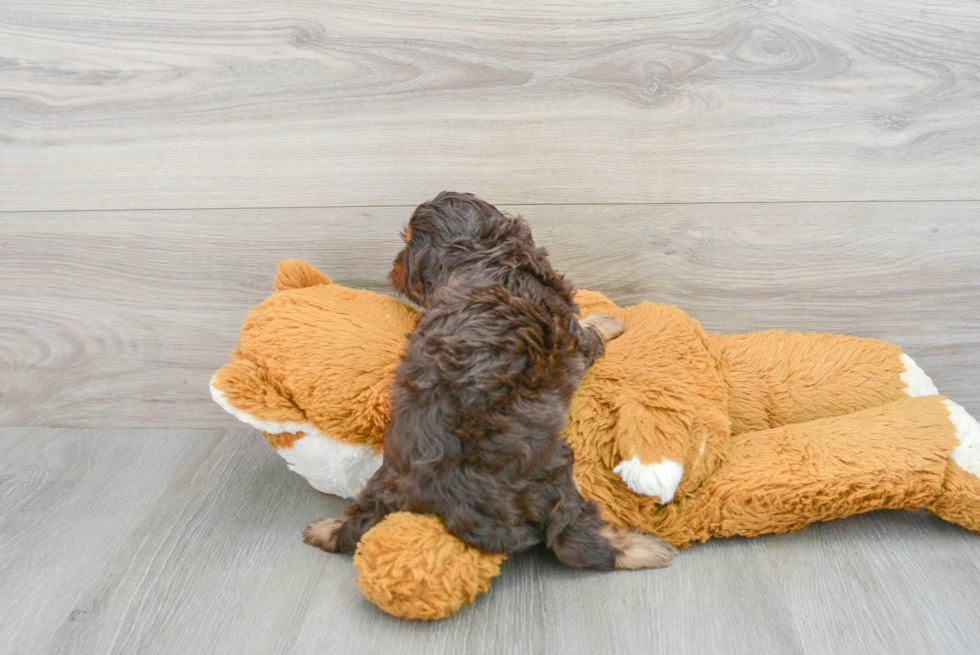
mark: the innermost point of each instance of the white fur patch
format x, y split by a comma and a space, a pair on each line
654, 480
967, 454
917, 383
330, 466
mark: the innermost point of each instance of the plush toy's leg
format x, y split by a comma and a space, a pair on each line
912, 453
776, 378
959, 501
779, 378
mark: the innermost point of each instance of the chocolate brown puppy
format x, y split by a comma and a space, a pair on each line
481, 395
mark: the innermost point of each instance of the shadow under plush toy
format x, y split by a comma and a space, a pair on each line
676, 432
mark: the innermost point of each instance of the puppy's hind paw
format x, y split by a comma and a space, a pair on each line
607, 327
323, 534
639, 550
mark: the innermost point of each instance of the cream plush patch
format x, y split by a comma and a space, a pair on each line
916, 382
967, 454
654, 480
330, 466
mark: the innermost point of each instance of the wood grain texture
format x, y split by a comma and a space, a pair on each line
858, 585
216, 565
127, 104
721, 597
68, 499
120, 318
187, 541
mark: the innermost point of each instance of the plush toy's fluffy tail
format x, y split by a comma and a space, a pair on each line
297, 274
411, 567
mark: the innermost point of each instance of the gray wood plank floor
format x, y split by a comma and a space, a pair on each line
345, 102
188, 541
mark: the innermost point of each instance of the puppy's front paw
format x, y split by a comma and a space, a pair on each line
607, 327
323, 534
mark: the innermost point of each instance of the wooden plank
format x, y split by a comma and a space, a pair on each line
720, 597
215, 565
68, 499
120, 318
127, 104
881, 583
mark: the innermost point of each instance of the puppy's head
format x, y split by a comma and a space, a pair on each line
444, 232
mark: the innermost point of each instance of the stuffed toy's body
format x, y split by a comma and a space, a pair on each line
676, 432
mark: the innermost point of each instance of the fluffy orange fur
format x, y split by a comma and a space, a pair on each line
429, 574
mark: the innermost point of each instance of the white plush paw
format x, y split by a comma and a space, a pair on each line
967, 453
654, 480
917, 383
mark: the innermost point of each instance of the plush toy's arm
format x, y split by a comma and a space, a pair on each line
652, 443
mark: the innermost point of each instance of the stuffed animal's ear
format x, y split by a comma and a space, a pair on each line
297, 274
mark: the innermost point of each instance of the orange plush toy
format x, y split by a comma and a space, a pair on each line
676, 432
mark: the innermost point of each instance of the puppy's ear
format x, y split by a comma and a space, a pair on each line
495, 227
416, 274
297, 274
521, 230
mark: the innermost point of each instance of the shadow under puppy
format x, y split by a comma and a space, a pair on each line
481, 394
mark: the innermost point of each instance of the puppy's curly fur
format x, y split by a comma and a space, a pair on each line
481, 395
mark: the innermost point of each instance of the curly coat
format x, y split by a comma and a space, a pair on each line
481, 395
